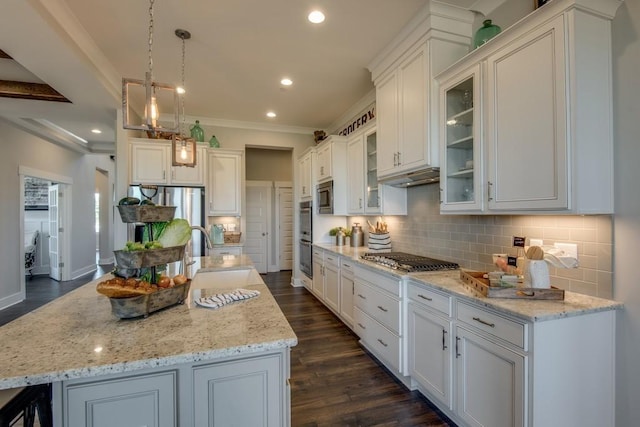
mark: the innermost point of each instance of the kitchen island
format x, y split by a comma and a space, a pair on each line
185, 365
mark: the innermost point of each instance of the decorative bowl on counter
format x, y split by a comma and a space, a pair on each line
146, 213
148, 257
143, 305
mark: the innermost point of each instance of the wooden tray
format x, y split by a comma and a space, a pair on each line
474, 281
143, 305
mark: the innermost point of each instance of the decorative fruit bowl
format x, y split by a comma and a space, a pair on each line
148, 257
146, 213
143, 305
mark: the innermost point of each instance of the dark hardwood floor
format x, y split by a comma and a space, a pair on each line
41, 289
334, 381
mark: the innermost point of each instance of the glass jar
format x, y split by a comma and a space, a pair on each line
485, 33
197, 132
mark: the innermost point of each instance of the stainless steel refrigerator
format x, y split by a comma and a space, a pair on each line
189, 203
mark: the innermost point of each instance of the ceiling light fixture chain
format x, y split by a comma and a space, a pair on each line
151, 2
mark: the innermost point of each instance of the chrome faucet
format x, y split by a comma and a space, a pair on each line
206, 235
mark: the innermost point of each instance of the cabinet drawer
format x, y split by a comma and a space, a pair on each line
332, 259
385, 309
387, 283
379, 339
498, 326
430, 298
346, 267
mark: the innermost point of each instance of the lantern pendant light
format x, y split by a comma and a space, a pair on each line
183, 149
152, 90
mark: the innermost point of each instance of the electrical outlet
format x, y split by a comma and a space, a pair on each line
570, 249
518, 242
535, 242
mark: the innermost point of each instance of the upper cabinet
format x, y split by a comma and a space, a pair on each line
544, 88
305, 189
405, 92
364, 194
224, 182
151, 163
331, 158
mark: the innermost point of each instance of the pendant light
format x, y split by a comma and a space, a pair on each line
183, 149
152, 91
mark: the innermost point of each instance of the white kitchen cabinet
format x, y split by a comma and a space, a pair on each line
226, 251
139, 400
491, 374
364, 194
331, 272
429, 339
249, 392
461, 165
331, 155
305, 189
546, 112
151, 163
224, 182
378, 317
347, 291
401, 100
318, 273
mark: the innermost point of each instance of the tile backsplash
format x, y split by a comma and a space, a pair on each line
471, 239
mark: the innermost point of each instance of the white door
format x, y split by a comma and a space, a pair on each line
257, 233
54, 233
285, 232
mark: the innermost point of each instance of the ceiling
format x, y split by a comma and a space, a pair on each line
238, 52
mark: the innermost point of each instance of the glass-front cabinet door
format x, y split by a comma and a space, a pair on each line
371, 165
462, 164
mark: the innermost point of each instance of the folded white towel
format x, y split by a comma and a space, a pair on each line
220, 300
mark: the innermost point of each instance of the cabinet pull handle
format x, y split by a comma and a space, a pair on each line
440, 195
457, 353
383, 343
164, 175
347, 265
399, 162
361, 296
423, 297
360, 202
304, 189
361, 325
484, 322
395, 159
382, 308
444, 341
490, 184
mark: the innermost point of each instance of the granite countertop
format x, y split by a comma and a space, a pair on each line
77, 336
574, 304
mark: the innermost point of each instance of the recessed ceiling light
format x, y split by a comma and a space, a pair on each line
286, 82
271, 114
316, 17
96, 131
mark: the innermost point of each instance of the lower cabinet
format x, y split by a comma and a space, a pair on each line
331, 271
346, 292
318, 274
246, 393
250, 391
491, 382
143, 400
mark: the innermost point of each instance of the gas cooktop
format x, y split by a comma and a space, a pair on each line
407, 262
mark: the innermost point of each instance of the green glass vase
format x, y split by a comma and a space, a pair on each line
197, 132
485, 33
213, 142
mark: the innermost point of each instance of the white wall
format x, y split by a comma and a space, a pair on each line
23, 149
626, 288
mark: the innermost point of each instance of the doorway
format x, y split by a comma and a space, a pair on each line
36, 214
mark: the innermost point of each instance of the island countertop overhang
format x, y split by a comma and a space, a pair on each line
77, 336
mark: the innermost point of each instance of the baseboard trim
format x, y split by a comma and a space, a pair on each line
12, 299
104, 261
83, 271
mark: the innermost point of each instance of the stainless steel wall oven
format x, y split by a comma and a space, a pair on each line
306, 228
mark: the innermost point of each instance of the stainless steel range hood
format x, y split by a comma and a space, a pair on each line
430, 175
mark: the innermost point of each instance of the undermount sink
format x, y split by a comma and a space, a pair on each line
226, 279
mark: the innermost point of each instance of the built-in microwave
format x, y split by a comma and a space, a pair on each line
325, 197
